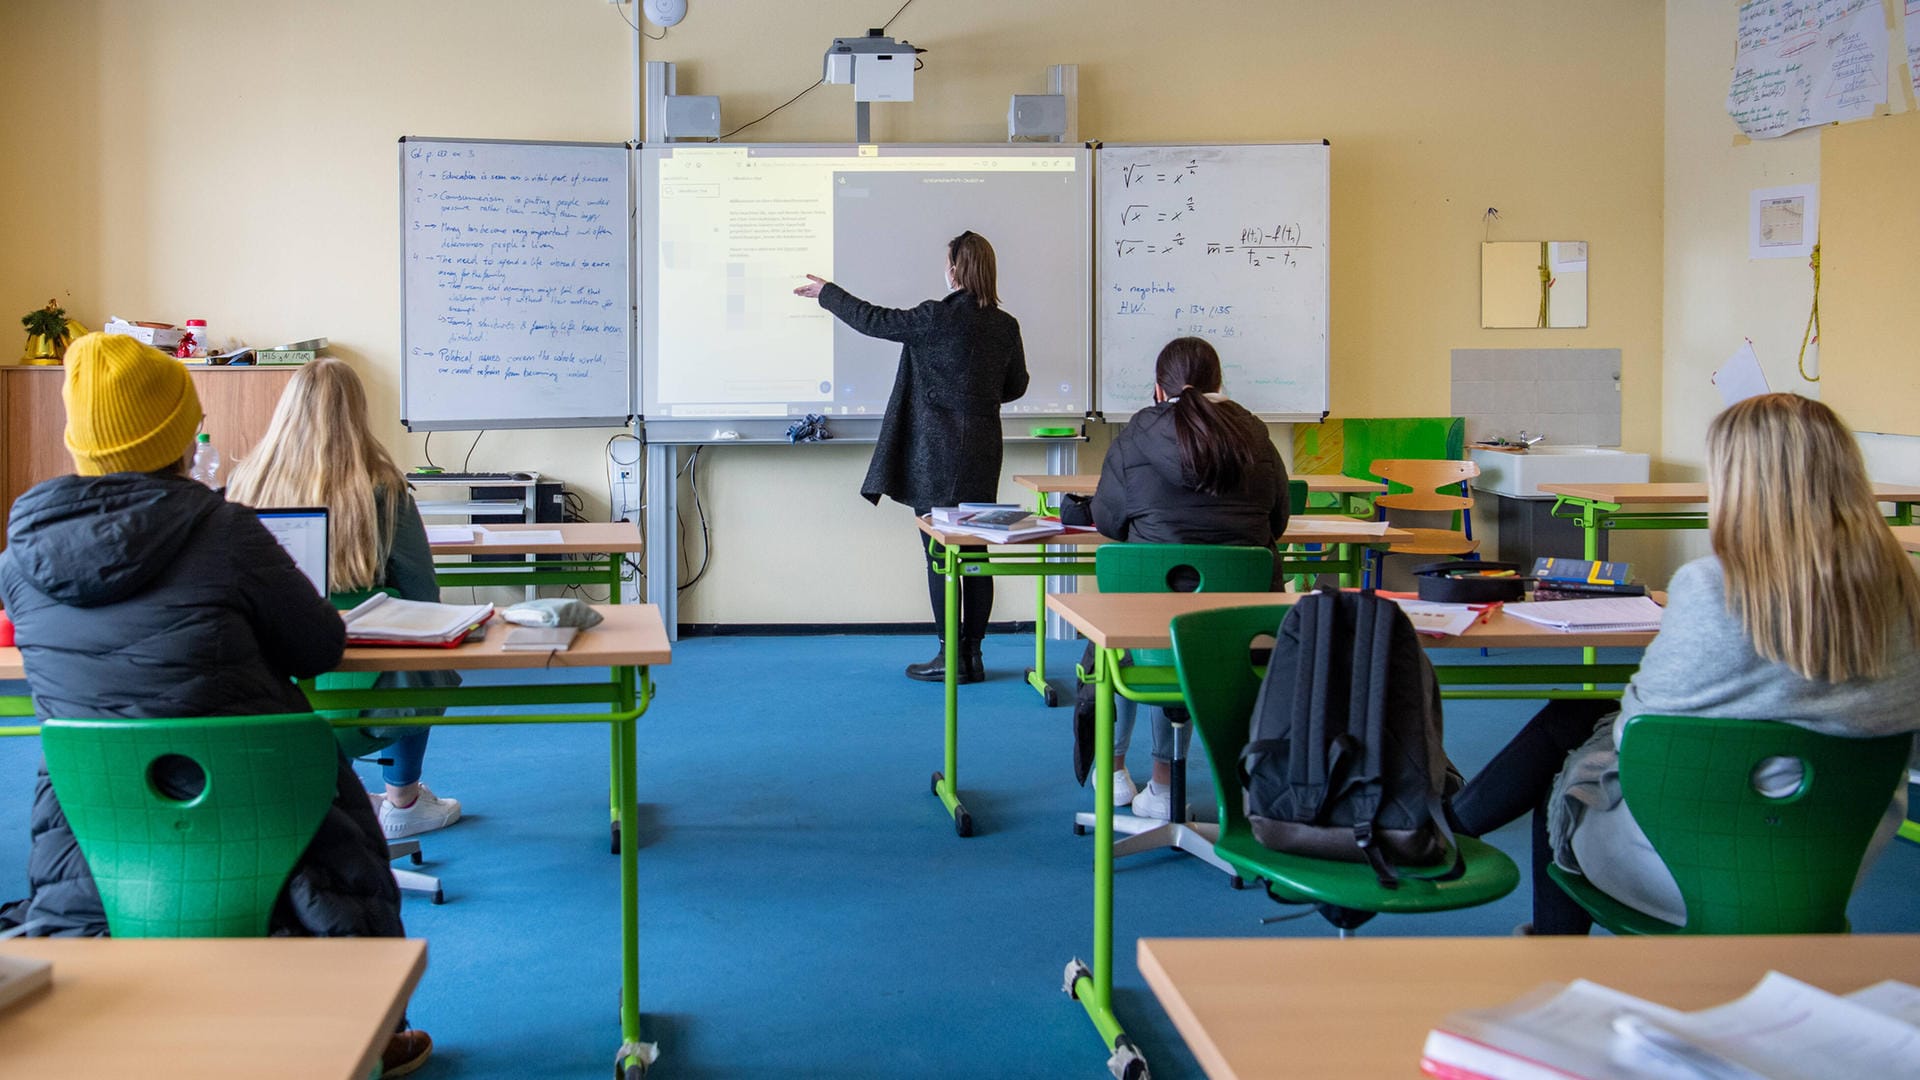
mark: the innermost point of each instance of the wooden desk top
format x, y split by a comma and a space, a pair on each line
1140, 621
1316, 529
1277, 1007
1908, 535
1689, 494
160, 1008
576, 538
632, 634
1085, 483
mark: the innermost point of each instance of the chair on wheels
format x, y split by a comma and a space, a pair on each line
362, 743
190, 827
1212, 654
1143, 568
1747, 863
1427, 479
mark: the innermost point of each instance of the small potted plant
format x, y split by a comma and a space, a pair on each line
49, 331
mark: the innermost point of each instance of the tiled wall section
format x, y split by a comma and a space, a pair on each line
1570, 395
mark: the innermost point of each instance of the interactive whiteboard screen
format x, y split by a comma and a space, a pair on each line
516, 294
1228, 243
727, 232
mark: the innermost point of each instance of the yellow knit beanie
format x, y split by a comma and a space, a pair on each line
130, 407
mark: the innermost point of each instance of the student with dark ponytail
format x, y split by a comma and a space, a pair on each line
1193, 468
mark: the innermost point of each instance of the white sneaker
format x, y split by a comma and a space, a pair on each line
1123, 789
1154, 802
428, 812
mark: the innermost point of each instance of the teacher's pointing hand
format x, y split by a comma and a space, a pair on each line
812, 288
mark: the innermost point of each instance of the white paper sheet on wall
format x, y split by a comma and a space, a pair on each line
1783, 222
1803, 64
1740, 377
1913, 44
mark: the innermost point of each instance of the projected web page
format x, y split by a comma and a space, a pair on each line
728, 233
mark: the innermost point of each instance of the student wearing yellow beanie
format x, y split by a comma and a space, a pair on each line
138, 592
130, 407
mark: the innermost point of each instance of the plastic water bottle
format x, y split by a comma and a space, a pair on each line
206, 461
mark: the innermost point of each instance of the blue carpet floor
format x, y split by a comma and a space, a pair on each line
807, 910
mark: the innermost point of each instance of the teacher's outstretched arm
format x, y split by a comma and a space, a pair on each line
904, 325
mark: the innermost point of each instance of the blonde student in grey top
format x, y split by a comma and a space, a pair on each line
1807, 613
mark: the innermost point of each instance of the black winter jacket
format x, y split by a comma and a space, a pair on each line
146, 595
940, 442
1146, 494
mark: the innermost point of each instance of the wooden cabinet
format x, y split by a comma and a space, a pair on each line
237, 401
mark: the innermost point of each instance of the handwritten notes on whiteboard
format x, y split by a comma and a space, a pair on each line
1228, 243
1913, 44
516, 262
1805, 62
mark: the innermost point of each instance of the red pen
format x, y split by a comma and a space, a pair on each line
1486, 610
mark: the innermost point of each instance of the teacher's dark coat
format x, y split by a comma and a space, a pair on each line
940, 442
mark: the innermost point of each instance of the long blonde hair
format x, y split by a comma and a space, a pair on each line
1812, 571
320, 451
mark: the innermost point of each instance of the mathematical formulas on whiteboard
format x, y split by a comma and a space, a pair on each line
1165, 196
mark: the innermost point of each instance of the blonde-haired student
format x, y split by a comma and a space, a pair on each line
319, 450
1807, 612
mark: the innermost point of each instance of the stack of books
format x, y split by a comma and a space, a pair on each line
999, 523
1577, 579
384, 620
1783, 1029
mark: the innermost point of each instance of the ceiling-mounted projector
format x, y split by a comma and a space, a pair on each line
878, 67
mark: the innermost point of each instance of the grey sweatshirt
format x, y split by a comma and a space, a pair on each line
1702, 663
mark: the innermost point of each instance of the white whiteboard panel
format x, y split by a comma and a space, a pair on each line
1228, 243
516, 284
727, 231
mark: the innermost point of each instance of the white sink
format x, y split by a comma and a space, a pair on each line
1520, 475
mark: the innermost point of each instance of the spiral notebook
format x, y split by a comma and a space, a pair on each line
1604, 613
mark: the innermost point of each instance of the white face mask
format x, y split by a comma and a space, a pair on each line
952, 286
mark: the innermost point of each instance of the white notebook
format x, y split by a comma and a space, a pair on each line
1622, 613
383, 618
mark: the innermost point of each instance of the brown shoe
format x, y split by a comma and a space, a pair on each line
405, 1052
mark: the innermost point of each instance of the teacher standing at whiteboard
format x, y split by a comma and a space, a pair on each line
960, 360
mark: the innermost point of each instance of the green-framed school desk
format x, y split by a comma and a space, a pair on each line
225, 1009
1118, 622
1909, 537
614, 658
1071, 555
1594, 507
589, 553
1267, 1008
1353, 498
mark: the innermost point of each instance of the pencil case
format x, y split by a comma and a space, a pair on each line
1470, 581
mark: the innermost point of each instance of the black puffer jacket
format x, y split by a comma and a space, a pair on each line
145, 595
940, 442
1147, 495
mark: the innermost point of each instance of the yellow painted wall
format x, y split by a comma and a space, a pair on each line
235, 160
1870, 275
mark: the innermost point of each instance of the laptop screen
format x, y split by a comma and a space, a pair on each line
303, 532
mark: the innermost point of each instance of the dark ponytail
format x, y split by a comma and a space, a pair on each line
1212, 448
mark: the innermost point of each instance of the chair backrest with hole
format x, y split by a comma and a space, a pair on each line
190, 827
1747, 862
1149, 568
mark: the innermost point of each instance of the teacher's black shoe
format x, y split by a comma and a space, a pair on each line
972, 667
934, 670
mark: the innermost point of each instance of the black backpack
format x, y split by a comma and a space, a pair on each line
1344, 757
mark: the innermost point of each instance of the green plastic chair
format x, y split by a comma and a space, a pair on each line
1152, 568
180, 863
1212, 655
1746, 863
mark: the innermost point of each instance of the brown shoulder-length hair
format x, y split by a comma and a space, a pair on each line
1213, 448
973, 268
1812, 570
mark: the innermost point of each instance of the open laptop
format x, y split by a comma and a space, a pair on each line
302, 531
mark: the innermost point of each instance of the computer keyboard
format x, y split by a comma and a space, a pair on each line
471, 477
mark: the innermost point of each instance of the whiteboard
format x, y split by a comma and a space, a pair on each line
516, 284
1228, 243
